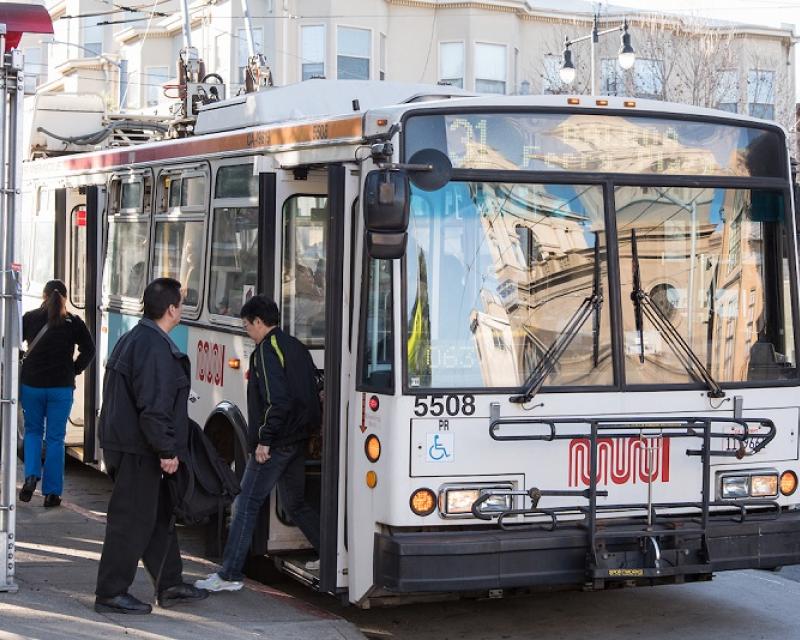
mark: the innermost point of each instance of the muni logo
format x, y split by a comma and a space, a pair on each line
619, 461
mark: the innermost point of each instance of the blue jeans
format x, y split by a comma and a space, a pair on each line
46, 412
286, 469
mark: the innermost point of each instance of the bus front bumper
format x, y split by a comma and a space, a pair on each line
496, 559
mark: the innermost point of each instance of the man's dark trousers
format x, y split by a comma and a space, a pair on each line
137, 526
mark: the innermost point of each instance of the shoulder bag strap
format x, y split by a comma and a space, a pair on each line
36, 340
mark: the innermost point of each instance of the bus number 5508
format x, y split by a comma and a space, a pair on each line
440, 404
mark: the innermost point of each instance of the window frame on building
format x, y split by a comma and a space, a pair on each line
306, 61
477, 73
657, 78
346, 27
611, 84
756, 107
726, 96
452, 79
551, 81
153, 90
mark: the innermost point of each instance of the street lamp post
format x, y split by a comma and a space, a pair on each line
626, 55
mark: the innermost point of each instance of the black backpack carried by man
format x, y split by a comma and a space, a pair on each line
204, 485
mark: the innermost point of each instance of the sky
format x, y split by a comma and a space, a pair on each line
772, 13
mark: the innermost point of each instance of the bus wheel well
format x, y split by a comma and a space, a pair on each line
228, 440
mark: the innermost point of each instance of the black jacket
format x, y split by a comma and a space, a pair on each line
145, 394
282, 398
52, 363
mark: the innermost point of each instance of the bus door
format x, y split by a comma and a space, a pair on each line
310, 233
78, 215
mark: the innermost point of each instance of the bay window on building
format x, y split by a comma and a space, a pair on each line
353, 53
312, 51
761, 94
451, 63
154, 80
727, 90
648, 78
490, 68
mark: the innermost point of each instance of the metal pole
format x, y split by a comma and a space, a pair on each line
251, 46
595, 40
11, 79
187, 27
693, 259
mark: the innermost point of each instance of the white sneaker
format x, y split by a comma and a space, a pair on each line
312, 565
214, 583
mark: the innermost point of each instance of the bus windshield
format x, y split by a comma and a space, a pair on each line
495, 271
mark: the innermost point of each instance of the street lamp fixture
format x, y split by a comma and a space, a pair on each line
567, 71
626, 57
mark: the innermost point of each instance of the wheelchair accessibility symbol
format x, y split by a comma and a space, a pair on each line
440, 447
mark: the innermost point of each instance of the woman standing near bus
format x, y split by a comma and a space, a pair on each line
48, 384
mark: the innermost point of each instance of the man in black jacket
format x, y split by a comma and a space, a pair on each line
144, 427
283, 409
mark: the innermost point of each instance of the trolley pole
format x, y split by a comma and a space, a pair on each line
12, 90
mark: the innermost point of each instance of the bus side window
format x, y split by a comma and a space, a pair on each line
234, 259
305, 227
233, 273
377, 364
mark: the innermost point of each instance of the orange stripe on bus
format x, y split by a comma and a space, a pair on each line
259, 139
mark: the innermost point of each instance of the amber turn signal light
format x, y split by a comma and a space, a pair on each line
372, 479
788, 483
423, 502
372, 447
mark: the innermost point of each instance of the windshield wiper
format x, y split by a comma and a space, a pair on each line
590, 305
643, 307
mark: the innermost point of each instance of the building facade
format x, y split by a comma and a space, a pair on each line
489, 46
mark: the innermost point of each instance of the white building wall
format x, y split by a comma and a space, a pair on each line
414, 32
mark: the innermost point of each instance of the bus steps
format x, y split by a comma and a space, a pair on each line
636, 541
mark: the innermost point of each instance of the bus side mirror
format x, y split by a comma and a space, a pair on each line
387, 195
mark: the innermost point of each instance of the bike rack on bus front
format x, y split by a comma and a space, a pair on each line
666, 427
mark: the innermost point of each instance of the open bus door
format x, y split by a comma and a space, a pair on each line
78, 214
306, 228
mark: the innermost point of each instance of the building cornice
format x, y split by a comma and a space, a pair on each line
57, 9
527, 13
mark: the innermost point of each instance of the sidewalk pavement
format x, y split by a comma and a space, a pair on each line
58, 550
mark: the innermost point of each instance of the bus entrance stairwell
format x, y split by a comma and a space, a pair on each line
650, 540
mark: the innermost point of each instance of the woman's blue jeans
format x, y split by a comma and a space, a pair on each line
46, 412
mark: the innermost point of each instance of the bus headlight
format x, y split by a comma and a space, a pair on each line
764, 486
734, 487
457, 501
760, 483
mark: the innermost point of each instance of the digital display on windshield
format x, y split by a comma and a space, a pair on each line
598, 143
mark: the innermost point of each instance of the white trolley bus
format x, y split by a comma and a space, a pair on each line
558, 334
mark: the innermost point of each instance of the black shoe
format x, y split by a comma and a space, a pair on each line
52, 500
26, 493
124, 603
179, 594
